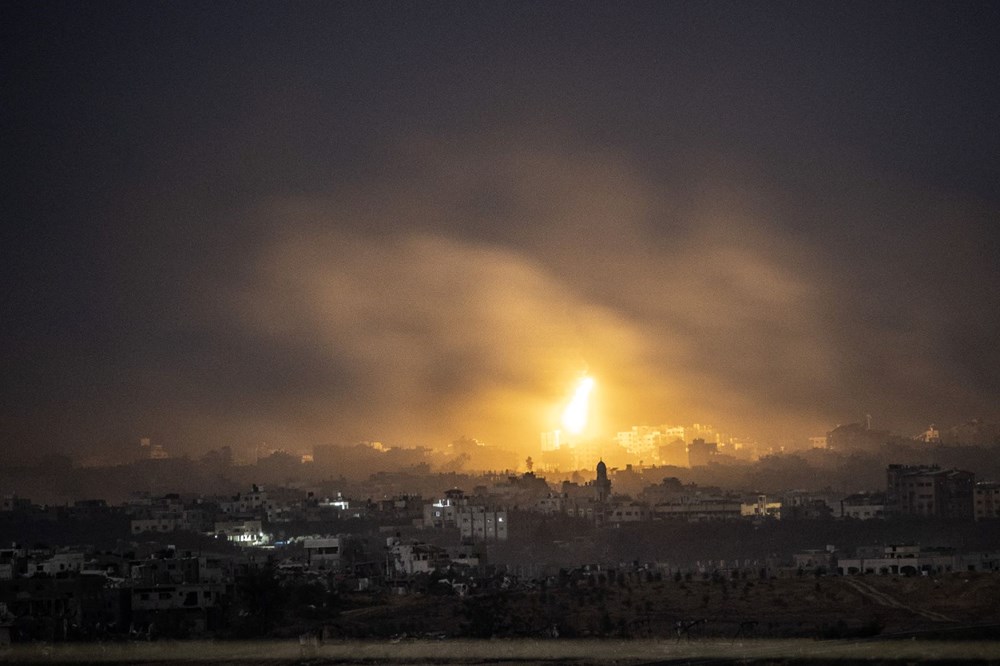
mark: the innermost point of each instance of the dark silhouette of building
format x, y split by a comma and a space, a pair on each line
855, 437
920, 490
701, 452
602, 484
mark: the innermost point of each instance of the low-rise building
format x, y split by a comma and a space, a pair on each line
631, 512
323, 553
760, 507
242, 532
863, 506
415, 557
698, 509
816, 560
899, 560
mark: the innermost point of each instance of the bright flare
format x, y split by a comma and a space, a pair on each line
575, 416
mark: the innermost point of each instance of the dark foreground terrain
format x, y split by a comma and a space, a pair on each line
499, 652
951, 606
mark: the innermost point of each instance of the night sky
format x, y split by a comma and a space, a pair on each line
321, 222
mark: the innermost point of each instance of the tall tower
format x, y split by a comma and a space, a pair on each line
602, 484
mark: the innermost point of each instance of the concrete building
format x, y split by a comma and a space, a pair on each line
760, 507
242, 532
856, 437
552, 505
477, 523
987, 500
323, 553
643, 442
166, 522
443, 512
930, 491
818, 442
899, 560
701, 452
631, 512
816, 560
698, 509
863, 506
415, 557
58, 564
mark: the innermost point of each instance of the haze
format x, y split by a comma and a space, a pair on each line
319, 223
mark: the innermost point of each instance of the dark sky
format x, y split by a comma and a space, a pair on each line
314, 222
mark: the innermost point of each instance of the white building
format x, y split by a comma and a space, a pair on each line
242, 532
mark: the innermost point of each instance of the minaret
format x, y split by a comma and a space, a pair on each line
602, 484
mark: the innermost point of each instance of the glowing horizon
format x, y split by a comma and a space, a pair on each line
574, 417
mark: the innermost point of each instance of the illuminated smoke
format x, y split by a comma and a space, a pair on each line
575, 416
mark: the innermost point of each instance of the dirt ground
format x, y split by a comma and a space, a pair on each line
804, 607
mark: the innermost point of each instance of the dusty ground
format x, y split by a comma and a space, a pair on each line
806, 607
519, 652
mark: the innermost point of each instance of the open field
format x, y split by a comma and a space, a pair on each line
514, 652
951, 605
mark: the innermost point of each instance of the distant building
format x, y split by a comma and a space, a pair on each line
161, 523
415, 557
863, 506
700, 452
816, 560
987, 500
761, 507
818, 442
443, 512
698, 509
630, 512
476, 523
803, 505
930, 491
242, 532
551, 440
931, 436
910, 560
323, 553
150, 451
856, 436
14, 503
643, 442
673, 452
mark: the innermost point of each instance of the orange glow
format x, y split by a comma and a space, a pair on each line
574, 417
